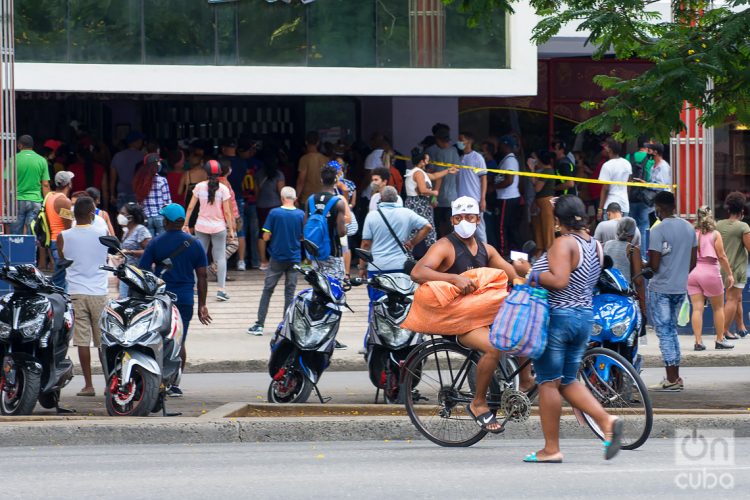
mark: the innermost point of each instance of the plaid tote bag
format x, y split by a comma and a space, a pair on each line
520, 327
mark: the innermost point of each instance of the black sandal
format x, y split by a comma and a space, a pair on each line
731, 336
484, 420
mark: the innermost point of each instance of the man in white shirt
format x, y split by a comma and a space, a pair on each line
472, 182
374, 160
615, 169
508, 198
661, 172
87, 284
380, 178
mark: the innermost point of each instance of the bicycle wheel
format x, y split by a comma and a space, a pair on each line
617, 386
445, 373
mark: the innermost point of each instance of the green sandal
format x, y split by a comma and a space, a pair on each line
532, 459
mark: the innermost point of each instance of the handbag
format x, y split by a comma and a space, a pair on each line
410, 262
520, 326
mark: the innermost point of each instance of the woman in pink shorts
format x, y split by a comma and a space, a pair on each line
705, 279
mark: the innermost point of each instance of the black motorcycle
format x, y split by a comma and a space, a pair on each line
141, 341
388, 345
36, 325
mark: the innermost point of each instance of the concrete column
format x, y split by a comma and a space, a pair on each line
413, 118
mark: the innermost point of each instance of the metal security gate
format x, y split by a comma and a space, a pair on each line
692, 157
7, 117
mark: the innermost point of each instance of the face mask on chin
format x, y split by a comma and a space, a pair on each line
465, 229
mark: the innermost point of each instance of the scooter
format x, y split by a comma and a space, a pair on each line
302, 346
618, 321
388, 345
141, 341
36, 325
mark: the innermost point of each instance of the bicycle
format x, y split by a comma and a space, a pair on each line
445, 372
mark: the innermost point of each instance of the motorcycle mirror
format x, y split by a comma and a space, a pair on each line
64, 263
112, 244
365, 255
310, 247
647, 273
608, 262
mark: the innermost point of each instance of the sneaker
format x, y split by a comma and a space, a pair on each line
263, 267
174, 392
681, 383
241, 266
340, 346
724, 344
666, 386
699, 347
256, 329
222, 296
742, 333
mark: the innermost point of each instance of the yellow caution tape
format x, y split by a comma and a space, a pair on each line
671, 187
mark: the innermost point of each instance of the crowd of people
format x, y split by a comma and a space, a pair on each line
249, 207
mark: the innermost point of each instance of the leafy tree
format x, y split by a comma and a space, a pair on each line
702, 56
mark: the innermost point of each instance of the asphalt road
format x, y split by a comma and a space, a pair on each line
362, 470
717, 388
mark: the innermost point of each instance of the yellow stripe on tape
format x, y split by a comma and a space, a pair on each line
671, 187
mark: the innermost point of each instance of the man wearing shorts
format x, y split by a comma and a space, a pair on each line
87, 284
445, 261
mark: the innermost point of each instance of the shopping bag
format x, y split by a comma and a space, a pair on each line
520, 326
684, 317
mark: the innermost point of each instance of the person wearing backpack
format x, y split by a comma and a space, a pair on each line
641, 199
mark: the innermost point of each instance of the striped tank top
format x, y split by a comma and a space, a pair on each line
583, 279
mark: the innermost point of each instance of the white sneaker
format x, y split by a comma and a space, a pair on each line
241, 265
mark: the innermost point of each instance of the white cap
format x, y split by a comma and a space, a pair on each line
465, 205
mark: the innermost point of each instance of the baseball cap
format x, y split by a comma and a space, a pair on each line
465, 205
151, 158
508, 140
52, 144
173, 212
656, 146
63, 178
334, 164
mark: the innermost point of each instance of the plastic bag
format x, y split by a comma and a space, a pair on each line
684, 317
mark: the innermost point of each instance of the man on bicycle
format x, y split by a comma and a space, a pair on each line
445, 261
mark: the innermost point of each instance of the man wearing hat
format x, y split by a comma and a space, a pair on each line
188, 261
59, 211
32, 184
445, 261
122, 171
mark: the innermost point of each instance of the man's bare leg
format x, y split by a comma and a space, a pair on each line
84, 357
479, 340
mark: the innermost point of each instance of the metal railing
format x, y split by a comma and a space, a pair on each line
8, 209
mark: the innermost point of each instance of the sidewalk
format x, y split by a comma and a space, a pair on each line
224, 346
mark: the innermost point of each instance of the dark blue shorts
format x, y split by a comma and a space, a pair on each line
186, 313
568, 337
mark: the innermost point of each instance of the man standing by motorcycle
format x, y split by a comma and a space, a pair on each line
188, 260
87, 283
445, 261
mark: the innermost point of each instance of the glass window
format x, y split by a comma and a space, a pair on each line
105, 31
40, 30
226, 34
481, 47
341, 33
179, 32
272, 34
392, 33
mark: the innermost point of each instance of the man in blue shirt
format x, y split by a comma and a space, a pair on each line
188, 261
283, 228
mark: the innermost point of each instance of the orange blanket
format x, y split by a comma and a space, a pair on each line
439, 308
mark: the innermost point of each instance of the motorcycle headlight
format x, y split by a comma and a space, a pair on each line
310, 336
32, 327
597, 329
392, 335
621, 328
5, 330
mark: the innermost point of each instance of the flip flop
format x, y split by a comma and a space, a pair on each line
485, 419
612, 446
88, 394
532, 459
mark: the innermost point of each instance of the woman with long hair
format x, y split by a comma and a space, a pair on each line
736, 235
135, 236
705, 281
214, 222
570, 271
152, 192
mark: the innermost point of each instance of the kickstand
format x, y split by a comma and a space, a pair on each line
64, 411
164, 411
377, 394
317, 391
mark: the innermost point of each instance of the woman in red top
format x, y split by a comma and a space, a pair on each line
87, 173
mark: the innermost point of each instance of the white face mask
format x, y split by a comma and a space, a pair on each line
122, 220
465, 229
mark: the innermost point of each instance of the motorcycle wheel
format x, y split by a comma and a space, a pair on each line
50, 399
22, 399
145, 395
300, 392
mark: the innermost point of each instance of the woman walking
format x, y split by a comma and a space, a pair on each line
570, 271
736, 236
705, 281
214, 222
135, 237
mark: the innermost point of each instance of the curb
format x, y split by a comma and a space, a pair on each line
353, 365
250, 430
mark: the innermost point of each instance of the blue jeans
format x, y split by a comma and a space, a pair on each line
640, 212
58, 275
251, 234
567, 338
27, 212
155, 225
663, 308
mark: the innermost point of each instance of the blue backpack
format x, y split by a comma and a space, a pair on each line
316, 228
